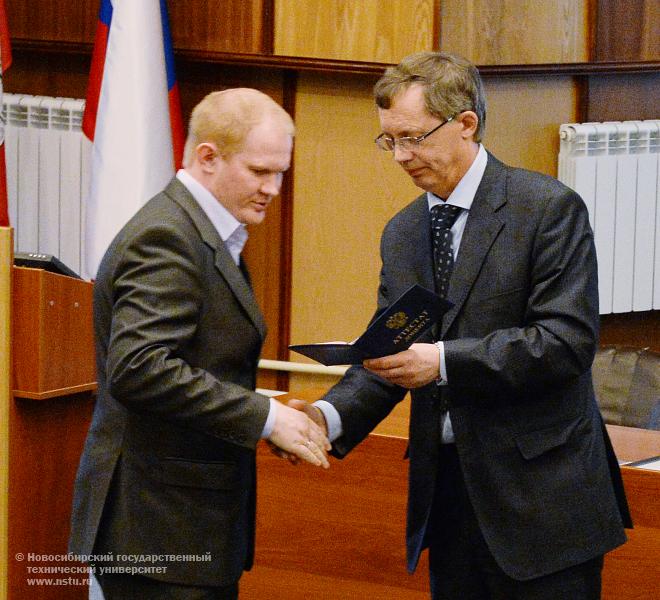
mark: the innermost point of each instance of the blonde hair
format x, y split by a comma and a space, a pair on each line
451, 85
226, 117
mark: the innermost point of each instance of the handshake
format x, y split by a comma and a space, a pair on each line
300, 433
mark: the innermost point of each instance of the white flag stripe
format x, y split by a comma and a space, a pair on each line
132, 157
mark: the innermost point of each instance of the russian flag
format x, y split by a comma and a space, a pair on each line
132, 116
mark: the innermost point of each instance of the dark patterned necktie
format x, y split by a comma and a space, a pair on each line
443, 217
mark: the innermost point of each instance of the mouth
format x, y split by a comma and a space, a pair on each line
415, 172
260, 206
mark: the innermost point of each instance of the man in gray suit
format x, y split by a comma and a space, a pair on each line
165, 495
510, 486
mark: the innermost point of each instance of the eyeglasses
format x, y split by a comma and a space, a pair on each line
388, 143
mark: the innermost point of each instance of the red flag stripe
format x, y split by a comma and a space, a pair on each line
5, 45
176, 122
95, 80
4, 214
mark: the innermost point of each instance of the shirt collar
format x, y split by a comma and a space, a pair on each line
230, 229
222, 219
464, 193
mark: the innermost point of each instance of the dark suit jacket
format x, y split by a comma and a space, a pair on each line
169, 463
519, 343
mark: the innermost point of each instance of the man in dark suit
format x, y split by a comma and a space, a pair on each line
509, 483
165, 494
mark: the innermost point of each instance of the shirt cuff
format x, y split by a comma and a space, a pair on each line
443, 366
270, 421
332, 419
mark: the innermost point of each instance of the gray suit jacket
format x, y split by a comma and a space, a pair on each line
169, 463
519, 343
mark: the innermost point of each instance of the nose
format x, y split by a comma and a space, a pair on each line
401, 154
271, 184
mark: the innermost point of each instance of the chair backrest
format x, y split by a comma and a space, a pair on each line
627, 386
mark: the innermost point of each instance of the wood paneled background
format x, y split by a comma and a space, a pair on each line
369, 30
315, 262
627, 31
500, 32
236, 26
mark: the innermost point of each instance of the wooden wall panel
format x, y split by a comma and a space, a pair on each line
204, 25
370, 30
209, 25
523, 118
47, 74
500, 32
52, 20
627, 31
198, 79
640, 330
300, 382
623, 97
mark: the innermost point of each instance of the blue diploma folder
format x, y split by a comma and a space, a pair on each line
392, 331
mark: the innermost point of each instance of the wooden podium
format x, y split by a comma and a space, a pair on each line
47, 381
52, 335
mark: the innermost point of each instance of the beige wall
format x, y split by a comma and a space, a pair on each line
523, 119
345, 191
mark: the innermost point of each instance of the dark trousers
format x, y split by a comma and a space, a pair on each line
461, 565
137, 587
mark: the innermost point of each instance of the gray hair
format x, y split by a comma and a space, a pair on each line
451, 85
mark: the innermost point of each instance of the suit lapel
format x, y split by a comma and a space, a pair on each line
417, 238
225, 264
482, 227
239, 285
414, 253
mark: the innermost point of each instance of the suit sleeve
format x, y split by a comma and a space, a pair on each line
157, 298
362, 399
558, 335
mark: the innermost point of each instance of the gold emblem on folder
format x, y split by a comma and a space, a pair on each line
397, 320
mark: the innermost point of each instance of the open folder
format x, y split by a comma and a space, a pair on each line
394, 330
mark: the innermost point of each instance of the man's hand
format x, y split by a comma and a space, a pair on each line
299, 437
412, 368
313, 412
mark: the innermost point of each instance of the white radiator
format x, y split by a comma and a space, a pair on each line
614, 166
48, 165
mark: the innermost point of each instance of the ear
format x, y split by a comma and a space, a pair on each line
469, 122
206, 154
